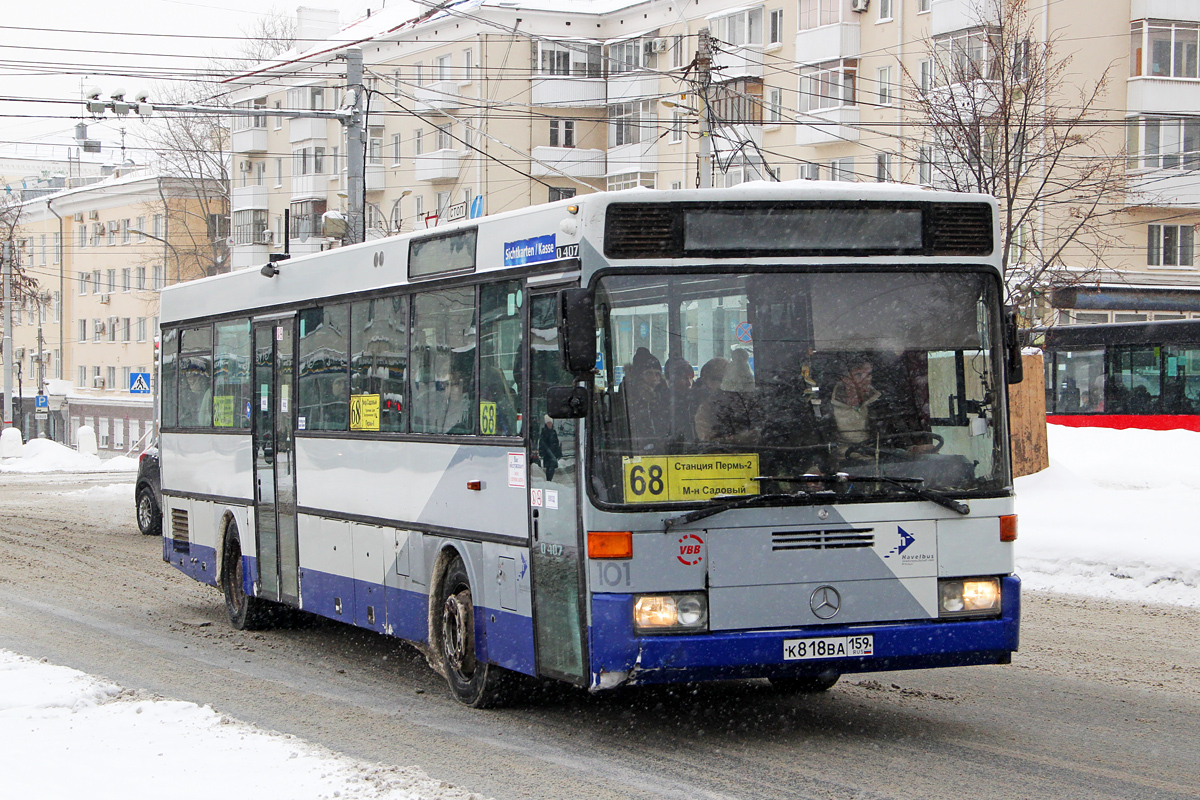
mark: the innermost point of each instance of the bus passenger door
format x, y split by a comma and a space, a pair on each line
556, 553
274, 462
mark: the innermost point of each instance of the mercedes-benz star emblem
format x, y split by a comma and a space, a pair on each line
825, 602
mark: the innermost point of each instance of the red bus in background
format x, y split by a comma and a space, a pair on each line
1127, 375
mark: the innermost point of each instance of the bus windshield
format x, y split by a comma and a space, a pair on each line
715, 385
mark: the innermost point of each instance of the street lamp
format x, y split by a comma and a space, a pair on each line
141, 232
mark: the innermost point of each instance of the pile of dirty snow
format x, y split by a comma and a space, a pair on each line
45, 455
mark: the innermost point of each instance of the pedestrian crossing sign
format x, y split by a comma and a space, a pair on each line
139, 383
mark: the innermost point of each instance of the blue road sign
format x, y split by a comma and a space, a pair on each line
476, 206
139, 383
41, 402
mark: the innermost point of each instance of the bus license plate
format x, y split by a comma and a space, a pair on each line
831, 647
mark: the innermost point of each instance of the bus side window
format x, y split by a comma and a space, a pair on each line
195, 377
442, 382
169, 384
231, 375
323, 390
501, 344
379, 363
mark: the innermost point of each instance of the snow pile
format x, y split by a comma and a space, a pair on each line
121, 746
112, 491
1116, 515
45, 455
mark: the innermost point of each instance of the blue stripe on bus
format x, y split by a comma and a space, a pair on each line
197, 561
759, 654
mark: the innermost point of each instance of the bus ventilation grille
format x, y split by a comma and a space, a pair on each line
179, 526
633, 230
842, 539
960, 229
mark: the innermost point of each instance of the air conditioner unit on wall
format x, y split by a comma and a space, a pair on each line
859, 5
104, 299
661, 45
98, 382
93, 215
267, 236
79, 216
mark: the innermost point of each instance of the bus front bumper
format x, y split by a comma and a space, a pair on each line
619, 656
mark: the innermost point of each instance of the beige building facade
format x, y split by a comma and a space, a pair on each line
98, 256
483, 106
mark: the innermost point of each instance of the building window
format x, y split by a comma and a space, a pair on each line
139, 278
774, 106
82, 374
308, 161
922, 6
126, 279
676, 134
926, 74
841, 169
126, 329
418, 142
883, 167
278, 106
625, 56
883, 78
125, 236
678, 57
443, 140
111, 328
157, 225
1170, 49
1163, 142
629, 123
81, 236
306, 218
249, 226
396, 139
885, 10
925, 165
468, 73
629, 180
84, 280
815, 13
741, 28
83, 336
966, 55
57, 306
375, 144
1170, 245
775, 26
113, 227
110, 285
562, 133
97, 329
557, 193
141, 228
828, 85
110, 378
156, 276
141, 330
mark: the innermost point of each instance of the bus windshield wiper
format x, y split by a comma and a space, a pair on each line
727, 503
904, 484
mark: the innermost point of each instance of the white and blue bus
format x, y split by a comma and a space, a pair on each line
628, 438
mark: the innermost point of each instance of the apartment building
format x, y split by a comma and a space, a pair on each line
486, 105
99, 255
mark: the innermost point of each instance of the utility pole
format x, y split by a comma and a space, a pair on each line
41, 376
7, 254
704, 79
355, 162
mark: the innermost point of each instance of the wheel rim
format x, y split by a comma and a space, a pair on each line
457, 637
144, 512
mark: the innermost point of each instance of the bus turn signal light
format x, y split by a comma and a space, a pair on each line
1008, 528
610, 544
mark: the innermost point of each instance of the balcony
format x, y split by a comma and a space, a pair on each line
437, 96
302, 130
632, 87
745, 61
1163, 95
439, 166
251, 140
1169, 188
249, 197
573, 161
568, 92
310, 187
1181, 10
955, 15
375, 177
828, 43
637, 157
829, 126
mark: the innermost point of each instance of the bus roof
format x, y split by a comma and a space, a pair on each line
538, 237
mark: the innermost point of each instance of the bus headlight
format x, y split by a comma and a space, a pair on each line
959, 597
670, 612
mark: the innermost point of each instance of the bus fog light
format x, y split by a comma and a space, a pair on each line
670, 612
964, 596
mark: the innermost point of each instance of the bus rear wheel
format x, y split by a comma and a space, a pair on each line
246, 613
473, 682
806, 684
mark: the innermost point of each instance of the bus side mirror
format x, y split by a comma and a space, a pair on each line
577, 330
567, 402
1012, 341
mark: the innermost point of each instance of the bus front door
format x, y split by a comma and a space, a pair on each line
274, 462
555, 553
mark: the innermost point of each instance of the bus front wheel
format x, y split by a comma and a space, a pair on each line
246, 613
473, 682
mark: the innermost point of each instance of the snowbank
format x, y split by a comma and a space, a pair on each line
1117, 515
44, 455
119, 745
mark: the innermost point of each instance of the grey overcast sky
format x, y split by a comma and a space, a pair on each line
85, 43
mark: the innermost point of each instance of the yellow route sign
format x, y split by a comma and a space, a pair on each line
223, 411
487, 418
650, 479
364, 412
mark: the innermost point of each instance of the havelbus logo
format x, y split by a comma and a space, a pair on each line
906, 540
